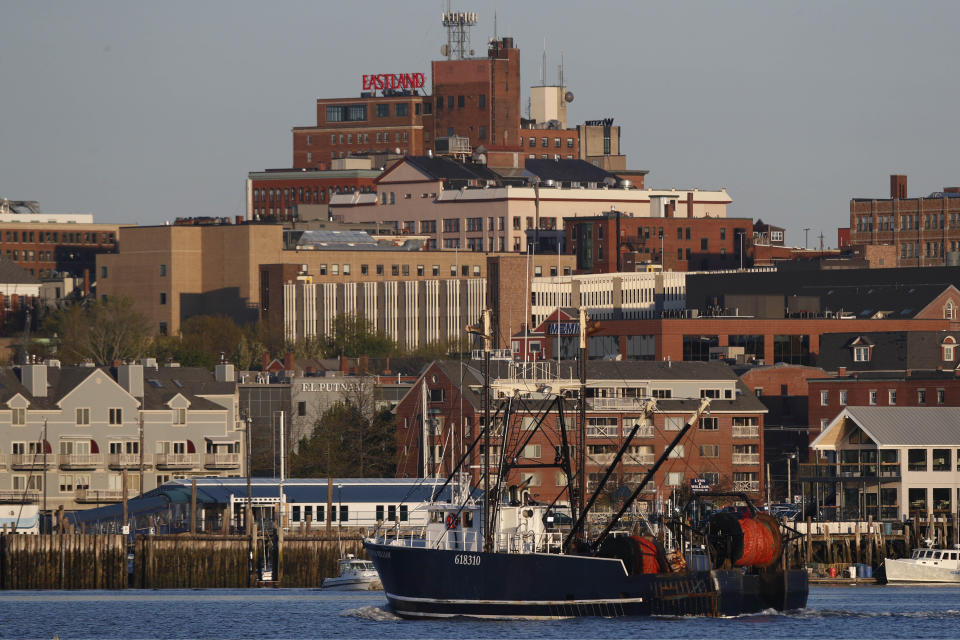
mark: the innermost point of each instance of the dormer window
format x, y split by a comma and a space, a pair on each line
861, 353
949, 310
947, 348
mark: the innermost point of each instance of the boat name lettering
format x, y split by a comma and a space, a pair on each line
469, 560
332, 386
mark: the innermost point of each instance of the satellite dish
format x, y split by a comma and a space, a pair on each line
472, 53
568, 96
444, 49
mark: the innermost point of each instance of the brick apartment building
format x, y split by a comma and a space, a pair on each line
278, 194
726, 447
922, 230
44, 244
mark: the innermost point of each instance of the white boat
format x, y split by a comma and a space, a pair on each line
926, 565
354, 575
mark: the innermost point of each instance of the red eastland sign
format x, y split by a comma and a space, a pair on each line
393, 81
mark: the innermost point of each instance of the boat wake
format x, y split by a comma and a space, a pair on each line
376, 614
842, 613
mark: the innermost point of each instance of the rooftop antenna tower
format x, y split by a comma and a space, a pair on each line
458, 25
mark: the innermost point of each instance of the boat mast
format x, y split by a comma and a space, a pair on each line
487, 338
577, 510
704, 405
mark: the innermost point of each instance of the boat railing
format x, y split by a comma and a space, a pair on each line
529, 542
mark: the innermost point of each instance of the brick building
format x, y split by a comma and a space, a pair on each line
278, 194
693, 234
923, 230
726, 447
44, 244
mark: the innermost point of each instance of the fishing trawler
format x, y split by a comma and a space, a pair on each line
496, 557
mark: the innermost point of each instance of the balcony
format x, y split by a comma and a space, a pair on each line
750, 431
746, 458
616, 403
640, 458
747, 486
178, 460
31, 460
601, 458
222, 461
30, 496
80, 460
127, 460
100, 496
603, 432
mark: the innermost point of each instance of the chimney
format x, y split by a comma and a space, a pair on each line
34, 378
264, 360
898, 186
86, 282
224, 372
130, 377
668, 212
690, 204
288, 363
238, 220
841, 372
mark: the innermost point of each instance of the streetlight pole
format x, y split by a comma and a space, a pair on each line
140, 448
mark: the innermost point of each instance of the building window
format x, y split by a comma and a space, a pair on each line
461, 102
675, 478
19, 417
824, 398
163, 298
103, 270
916, 460
921, 396
179, 416
364, 269
301, 409
873, 396
163, 328
709, 451
892, 396
116, 416
948, 347
861, 354
163, 270
709, 424
83, 416
482, 132
941, 396
401, 109
482, 101
383, 110
843, 397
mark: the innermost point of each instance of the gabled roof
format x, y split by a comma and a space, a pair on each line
897, 426
891, 350
10, 273
566, 170
447, 169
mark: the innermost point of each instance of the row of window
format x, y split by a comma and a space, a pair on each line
18, 417
545, 142
318, 513
873, 397
64, 237
364, 138
909, 222
460, 102
29, 255
399, 270
743, 480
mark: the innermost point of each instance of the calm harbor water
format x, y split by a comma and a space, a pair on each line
835, 612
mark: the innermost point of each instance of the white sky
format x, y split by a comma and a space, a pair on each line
142, 111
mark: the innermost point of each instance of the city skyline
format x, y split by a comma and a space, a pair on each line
137, 114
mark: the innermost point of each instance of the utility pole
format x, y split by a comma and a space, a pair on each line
43, 478
806, 236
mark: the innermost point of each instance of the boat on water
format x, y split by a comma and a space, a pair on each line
925, 565
353, 574
497, 555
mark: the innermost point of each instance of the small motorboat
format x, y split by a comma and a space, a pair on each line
354, 575
926, 565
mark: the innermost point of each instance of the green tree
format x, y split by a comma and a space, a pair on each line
355, 336
102, 331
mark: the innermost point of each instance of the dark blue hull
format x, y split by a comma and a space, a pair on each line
432, 583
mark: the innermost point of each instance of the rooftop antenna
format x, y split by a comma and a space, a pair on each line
543, 65
458, 25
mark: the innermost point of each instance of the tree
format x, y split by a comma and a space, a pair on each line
355, 336
103, 332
